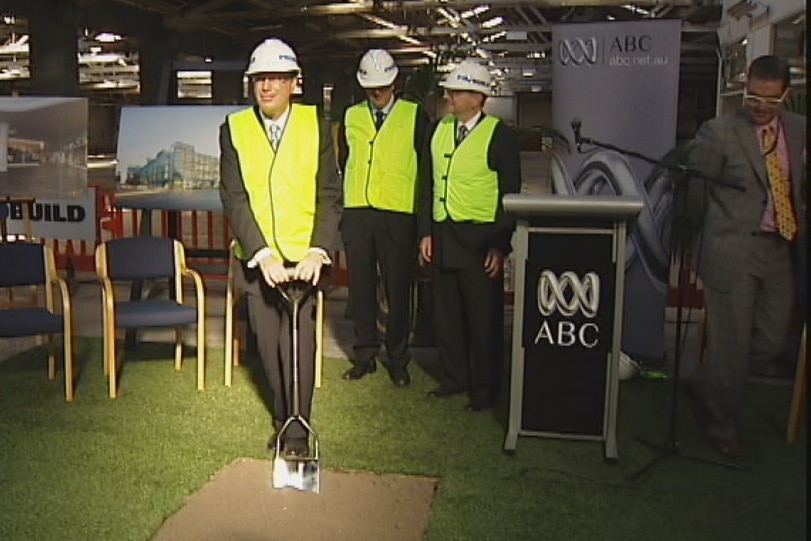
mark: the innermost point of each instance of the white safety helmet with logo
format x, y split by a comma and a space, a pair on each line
273, 56
376, 69
469, 75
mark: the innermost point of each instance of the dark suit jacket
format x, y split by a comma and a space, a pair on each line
727, 148
235, 198
463, 244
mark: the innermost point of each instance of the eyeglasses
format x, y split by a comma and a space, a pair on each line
753, 99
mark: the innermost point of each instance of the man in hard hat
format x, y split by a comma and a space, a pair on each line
381, 147
465, 235
281, 192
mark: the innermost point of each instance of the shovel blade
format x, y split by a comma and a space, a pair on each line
301, 474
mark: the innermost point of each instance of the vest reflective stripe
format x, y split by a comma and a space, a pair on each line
381, 170
465, 188
285, 213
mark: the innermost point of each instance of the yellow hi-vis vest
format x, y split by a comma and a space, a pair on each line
381, 170
281, 185
465, 188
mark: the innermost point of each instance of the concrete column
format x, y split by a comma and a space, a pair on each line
313, 92
226, 88
3, 147
158, 79
53, 54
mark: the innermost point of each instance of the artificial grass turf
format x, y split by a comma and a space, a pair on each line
102, 469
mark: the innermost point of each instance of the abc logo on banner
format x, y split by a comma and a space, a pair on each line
567, 296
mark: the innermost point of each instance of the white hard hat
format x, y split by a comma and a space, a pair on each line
376, 69
272, 56
469, 75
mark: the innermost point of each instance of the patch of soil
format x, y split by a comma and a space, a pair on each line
240, 504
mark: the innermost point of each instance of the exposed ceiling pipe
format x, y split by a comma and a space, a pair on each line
355, 8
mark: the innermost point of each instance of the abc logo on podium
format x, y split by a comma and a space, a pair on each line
567, 296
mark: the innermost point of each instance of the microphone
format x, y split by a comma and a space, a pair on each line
578, 141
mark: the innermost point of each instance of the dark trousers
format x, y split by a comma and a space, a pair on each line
469, 327
383, 241
748, 323
270, 317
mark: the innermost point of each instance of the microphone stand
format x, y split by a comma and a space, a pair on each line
670, 448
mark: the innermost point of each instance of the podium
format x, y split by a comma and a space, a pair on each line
567, 323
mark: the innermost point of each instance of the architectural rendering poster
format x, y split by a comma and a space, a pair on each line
621, 81
170, 147
43, 147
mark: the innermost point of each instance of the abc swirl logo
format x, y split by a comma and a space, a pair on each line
568, 293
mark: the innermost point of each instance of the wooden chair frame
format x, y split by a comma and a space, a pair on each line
48, 284
109, 313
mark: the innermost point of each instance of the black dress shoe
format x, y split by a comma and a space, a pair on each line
360, 370
399, 377
731, 448
444, 392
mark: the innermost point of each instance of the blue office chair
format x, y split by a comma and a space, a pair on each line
24, 264
136, 259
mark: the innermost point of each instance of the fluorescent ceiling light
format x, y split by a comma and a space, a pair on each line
409, 39
638, 10
490, 23
478, 10
193, 74
108, 58
107, 37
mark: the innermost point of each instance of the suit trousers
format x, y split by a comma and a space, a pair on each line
469, 327
270, 318
748, 323
385, 241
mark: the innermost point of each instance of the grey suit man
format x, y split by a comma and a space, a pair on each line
748, 260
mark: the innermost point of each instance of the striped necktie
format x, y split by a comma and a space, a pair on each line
380, 116
778, 182
275, 135
461, 133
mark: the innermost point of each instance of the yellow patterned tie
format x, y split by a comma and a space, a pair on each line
783, 214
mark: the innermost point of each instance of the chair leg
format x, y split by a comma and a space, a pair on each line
319, 337
229, 341
51, 345
798, 395
112, 367
178, 350
67, 352
201, 353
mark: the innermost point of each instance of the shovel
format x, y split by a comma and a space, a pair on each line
297, 471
